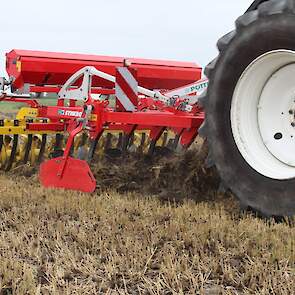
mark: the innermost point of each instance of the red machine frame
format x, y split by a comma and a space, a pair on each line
48, 72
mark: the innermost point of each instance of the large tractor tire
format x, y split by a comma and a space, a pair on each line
250, 108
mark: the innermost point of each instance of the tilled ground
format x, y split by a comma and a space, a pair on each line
154, 226
171, 177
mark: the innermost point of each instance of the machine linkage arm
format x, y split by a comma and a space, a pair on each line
191, 92
86, 74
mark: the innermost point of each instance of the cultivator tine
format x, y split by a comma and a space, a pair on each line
58, 143
174, 144
1, 142
1, 146
131, 141
152, 147
92, 148
126, 142
108, 141
84, 139
142, 143
82, 150
155, 135
165, 139
28, 148
42, 148
12, 157
93, 144
57, 149
114, 145
134, 143
120, 141
1, 136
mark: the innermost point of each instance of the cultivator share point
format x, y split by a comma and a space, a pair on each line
141, 103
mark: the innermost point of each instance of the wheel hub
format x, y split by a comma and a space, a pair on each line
263, 114
276, 115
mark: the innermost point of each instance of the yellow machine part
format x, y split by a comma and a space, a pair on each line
9, 127
111, 139
25, 113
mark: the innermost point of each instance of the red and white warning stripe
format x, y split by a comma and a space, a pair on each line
126, 88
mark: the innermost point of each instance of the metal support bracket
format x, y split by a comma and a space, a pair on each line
83, 92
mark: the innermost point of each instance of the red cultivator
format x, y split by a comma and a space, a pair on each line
151, 97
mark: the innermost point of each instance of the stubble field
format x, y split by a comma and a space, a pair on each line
163, 228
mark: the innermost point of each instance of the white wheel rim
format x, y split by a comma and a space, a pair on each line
262, 114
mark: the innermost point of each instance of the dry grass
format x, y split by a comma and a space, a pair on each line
55, 242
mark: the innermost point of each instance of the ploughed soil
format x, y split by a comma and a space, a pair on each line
170, 176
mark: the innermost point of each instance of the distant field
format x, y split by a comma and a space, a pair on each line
9, 106
56, 242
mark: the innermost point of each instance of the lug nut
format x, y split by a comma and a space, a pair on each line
293, 124
291, 112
